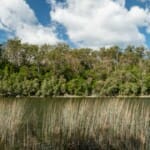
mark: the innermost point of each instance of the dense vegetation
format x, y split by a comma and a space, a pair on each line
31, 70
74, 124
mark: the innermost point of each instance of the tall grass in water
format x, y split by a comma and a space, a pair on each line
11, 115
75, 124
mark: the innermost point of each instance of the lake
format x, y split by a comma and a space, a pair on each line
75, 123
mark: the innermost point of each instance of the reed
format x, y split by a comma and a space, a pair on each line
99, 124
11, 115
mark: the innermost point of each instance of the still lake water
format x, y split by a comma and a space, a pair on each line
75, 124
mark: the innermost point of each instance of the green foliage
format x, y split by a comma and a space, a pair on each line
77, 87
31, 70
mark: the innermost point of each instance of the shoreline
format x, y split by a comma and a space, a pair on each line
75, 96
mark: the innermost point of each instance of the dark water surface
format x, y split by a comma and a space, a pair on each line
75, 124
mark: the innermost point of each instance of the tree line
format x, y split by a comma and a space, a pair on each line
58, 70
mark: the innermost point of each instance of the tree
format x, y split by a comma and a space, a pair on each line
53, 70
13, 51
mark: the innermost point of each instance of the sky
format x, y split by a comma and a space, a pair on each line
79, 23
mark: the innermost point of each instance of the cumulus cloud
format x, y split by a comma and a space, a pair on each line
18, 18
101, 22
120, 2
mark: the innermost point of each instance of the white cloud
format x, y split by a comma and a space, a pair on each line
120, 2
101, 22
18, 18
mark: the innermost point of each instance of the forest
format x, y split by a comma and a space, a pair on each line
59, 70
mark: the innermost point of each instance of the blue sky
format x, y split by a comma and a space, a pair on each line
86, 23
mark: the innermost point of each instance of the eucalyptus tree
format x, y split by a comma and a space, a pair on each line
13, 51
